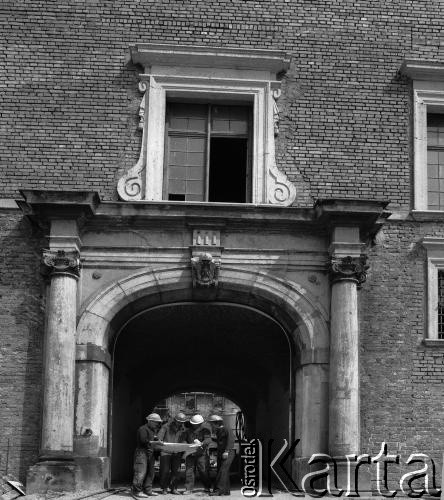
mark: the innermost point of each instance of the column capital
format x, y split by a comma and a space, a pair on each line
349, 269
62, 262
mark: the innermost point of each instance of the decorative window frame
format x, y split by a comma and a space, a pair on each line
435, 262
428, 96
238, 75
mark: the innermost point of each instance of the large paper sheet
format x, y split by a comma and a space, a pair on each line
176, 447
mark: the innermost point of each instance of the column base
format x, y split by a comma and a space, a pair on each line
301, 468
80, 473
52, 475
360, 483
93, 473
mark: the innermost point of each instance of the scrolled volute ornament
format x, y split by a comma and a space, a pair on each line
61, 262
349, 268
205, 270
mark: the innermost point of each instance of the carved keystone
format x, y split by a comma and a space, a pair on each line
205, 270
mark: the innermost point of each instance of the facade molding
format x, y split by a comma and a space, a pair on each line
198, 73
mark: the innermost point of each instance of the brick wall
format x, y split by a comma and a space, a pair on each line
70, 102
21, 333
69, 116
401, 378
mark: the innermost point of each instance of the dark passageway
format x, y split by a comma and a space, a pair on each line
223, 348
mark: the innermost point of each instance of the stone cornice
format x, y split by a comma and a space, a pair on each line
156, 54
45, 205
368, 215
419, 69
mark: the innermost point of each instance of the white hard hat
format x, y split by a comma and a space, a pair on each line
154, 417
196, 419
180, 417
215, 418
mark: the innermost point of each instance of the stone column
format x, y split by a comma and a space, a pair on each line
347, 274
56, 468
60, 349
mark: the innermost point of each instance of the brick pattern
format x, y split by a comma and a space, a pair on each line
69, 117
21, 334
401, 379
70, 102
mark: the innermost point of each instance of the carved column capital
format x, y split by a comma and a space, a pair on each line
349, 268
62, 262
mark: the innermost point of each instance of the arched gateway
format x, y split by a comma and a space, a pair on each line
107, 314
111, 265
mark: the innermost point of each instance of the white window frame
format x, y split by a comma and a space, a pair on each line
240, 75
428, 97
435, 263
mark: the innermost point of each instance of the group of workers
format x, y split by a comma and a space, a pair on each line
180, 429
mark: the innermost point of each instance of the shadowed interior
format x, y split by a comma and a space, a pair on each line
223, 348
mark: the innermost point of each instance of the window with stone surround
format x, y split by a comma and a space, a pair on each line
435, 289
232, 93
428, 133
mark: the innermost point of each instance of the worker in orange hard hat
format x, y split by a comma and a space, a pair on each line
144, 457
171, 432
200, 459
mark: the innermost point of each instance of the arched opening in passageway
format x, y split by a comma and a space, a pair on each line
217, 348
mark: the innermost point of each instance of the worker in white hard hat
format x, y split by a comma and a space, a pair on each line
171, 432
144, 457
197, 433
225, 454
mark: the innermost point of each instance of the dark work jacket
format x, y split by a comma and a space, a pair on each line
202, 434
144, 436
224, 440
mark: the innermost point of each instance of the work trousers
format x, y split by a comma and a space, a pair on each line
201, 463
169, 470
143, 470
222, 484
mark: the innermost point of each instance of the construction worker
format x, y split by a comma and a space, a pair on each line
197, 434
170, 462
144, 457
225, 454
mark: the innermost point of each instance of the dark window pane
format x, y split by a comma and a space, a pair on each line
187, 117
230, 119
228, 170
435, 129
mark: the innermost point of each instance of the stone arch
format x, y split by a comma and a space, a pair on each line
104, 315
287, 302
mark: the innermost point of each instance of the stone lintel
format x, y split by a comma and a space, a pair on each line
42, 205
420, 69
159, 54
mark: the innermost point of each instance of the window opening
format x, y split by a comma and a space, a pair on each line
441, 304
208, 152
435, 161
